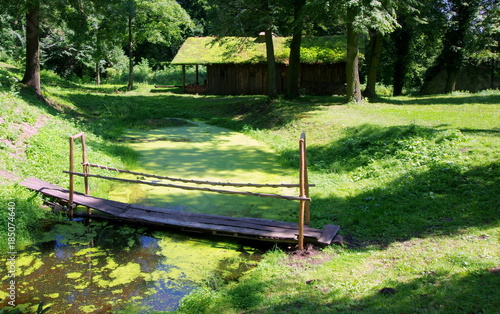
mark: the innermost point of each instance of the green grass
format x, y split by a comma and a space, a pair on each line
34, 142
412, 181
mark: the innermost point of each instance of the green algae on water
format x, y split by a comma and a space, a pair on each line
214, 154
195, 259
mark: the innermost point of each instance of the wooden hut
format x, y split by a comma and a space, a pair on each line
237, 66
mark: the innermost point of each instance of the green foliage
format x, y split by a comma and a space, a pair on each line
364, 145
34, 142
41, 309
412, 181
10, 311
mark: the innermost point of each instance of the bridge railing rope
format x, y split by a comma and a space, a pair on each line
303, 185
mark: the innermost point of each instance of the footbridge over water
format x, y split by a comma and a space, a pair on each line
240, 227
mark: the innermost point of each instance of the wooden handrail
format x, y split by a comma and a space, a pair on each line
72, 139
291, 198
257, 185
304, 210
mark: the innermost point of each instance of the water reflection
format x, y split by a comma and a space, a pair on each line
100, 267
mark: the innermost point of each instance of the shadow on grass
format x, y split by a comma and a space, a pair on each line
361, 145
435, 292
418, 185
495, 132
444, 100
440, 201
109, 113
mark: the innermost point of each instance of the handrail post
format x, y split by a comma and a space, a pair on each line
85, 168
304, 212
71, 169
71, 176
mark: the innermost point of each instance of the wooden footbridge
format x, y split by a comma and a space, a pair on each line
251, 228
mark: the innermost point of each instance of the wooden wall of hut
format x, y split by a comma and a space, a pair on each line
251, 79
241, 79
323, 79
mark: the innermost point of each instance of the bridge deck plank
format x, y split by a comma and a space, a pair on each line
254, 228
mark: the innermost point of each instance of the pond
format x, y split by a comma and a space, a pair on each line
99, 267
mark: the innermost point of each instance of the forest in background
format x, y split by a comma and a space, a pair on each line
424, 46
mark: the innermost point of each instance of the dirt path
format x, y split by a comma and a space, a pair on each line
18, 147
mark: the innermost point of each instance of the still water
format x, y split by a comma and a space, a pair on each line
100, 267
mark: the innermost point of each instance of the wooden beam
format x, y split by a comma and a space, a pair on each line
256, 185
183, 77
253, 228
197, 76
286, 197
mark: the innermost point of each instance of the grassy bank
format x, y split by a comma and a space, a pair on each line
412, 181
34, 142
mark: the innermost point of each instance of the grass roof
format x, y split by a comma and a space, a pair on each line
240, 50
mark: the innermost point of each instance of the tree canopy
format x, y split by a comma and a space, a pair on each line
418, 45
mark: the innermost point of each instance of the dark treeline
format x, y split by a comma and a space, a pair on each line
429, 46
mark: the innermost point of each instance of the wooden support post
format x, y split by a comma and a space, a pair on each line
307, 208
72, 139
85, 168
197, 76
183, 77
304, 213
71, 177
84, 164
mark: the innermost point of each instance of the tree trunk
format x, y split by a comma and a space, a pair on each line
293, 76
451, 80
375, 50
402, 39
98, 72
130, 54
271, 66
32, 71
352, 63
455, 41
451, 57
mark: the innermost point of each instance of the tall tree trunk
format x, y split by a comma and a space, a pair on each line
375, 50
130, 54
451, 57
32, 71
98, 72
451, 79
455, 41
271, 66
293, 76
402, 39
352, 61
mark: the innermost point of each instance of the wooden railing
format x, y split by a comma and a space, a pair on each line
303, 197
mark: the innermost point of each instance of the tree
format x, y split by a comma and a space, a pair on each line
359, 16
353, 88
249, 18
373, 59
459, 17
454, 40
411, 48
12, 36
272, 90
401, 37
153, 21
32, 70
198, 11
381, 17
293, 76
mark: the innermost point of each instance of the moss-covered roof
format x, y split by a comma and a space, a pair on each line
239, 50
